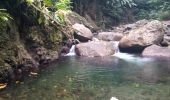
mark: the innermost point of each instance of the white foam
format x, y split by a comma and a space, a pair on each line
128, 57
113, 98
72, 51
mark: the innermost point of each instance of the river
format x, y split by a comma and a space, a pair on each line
81, 78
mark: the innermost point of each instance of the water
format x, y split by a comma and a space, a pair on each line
72, 51
75, 78
131, 58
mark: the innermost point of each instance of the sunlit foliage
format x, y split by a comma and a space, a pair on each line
4, 16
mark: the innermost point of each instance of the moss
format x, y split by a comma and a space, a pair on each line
53, 40
71, 18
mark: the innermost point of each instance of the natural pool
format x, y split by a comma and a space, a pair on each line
75, 78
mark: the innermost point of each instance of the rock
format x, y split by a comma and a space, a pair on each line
95, 39
135, 25
95, 49
164, 43
166, 27
45, 56
25, 59
64, 50
125, 29
156, 51
109, 36
83, 34
167, 39
71, 18
138, 39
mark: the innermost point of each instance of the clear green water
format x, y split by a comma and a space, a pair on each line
75, 78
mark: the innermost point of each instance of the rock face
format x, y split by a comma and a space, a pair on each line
157, 51
72, 18
83, 34
21, 56
167, 27
95, 49
167, 31
109, 36
136, 40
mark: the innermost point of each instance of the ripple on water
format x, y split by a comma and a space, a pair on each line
75, 78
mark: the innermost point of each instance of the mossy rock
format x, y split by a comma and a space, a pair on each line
72, 18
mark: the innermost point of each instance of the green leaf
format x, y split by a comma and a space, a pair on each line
40, 20
30, 1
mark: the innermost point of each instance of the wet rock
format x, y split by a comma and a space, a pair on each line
65, 50
109, 36
138, 39
156, 51
95, 49
83, 34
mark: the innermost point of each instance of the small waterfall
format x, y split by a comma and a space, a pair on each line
72, 51
116, 46
127, 56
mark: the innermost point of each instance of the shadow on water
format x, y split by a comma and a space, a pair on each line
77, 78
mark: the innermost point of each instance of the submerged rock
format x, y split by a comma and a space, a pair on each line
157, 51
95, 49
109, 36
138, 39
83, 34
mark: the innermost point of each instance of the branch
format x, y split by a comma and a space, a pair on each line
58, 24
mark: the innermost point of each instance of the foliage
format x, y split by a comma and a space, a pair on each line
142, 9
48, 9
116, 8
153, 9
128, 3
63, 5
4, 16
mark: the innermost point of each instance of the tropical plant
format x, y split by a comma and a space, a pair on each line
63, 5
4, 16
153, 9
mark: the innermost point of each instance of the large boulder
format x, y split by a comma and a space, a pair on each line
71, 18
95, 49
156, 51
136, 40
83, 34
109, 36
125, 29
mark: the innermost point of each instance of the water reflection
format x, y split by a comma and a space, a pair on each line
76, 78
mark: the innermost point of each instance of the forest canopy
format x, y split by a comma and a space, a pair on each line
140, 9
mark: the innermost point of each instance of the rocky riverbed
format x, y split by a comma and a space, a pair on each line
138, 37
37, 46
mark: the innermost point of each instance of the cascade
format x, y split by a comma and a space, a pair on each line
127, 56
72, 51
